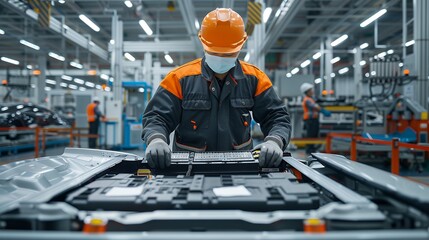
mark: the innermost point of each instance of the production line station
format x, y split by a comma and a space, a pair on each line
220, 119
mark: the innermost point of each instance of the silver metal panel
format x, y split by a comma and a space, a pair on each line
38, 180
396, 185
342, 193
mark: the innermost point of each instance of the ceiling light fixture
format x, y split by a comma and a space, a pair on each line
409, 43
305, 63
129, 57
363, 62
267, 14
29, 44
317, 55
90, 84
50, 81
76, 65
339, 40
56, 56
104, 76
295, 71
79, 81
168, 58
364, 45
88, 22
66, 77
288, 75
197, 24
373, 18
1, 32
9, 60
317, 80
146, 27
247, 57
335, 60
129, 4
343, 70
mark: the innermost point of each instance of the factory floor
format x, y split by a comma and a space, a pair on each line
410, 172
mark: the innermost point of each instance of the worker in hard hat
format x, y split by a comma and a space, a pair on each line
94, 114
311, 115
207, 102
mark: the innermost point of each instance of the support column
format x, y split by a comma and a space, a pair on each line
39, 91
328, 64
256, 44
116, 70
147, 65
156, 76
358, 73
421, 50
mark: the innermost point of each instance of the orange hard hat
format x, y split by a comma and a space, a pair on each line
222, 31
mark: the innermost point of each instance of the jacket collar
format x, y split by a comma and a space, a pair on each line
236, 72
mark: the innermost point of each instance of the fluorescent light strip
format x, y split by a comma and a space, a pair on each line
409, 43
104, 76
318, 80
50, 81
305, 63
98, 86
390, 51
267, 14
373, 18
364, 45
146, 27
56, 56
247, 57
333, 75
363, 62
48, 88
71, 86
90, 84
129, 4
317, 55
382, 54
339, 40
66, 77
295, 71
76, 65
1, 32
29, 67
335, 60
129, 57
197, 24
29, 44
343, 70
79, 81
288, 75
82, 89
168, 58
88, 22
9, 60
63, 84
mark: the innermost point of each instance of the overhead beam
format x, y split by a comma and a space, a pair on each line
290, 9
188, 13
161, 46
57, 26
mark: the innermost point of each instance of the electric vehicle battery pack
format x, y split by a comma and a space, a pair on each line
259, 192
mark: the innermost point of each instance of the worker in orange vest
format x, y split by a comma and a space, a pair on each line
94, 114
311, 115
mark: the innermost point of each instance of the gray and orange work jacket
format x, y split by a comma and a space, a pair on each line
207, 117
310, 108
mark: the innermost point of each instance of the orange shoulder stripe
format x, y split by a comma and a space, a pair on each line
263, 81
171, 82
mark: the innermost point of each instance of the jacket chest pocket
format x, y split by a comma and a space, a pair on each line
196, 113
241, 108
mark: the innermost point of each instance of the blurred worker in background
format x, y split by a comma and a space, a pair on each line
94, 114
311, 115
207, 102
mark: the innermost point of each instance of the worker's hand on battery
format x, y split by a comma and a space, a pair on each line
158, 154
270, 154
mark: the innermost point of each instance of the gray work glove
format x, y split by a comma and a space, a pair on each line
158, 154
270, 154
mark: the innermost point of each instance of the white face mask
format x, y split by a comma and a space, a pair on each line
220, 64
